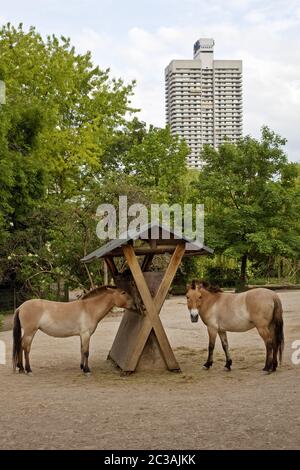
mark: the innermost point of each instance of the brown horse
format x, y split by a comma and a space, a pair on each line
221, 312
61, 319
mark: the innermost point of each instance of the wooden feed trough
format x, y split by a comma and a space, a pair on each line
141, 341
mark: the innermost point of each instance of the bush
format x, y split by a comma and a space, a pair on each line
222, 276
187, 271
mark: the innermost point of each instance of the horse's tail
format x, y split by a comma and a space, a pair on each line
17, 339
277, 322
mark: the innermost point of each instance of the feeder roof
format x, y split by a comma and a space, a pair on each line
160, 240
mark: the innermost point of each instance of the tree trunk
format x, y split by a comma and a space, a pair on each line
244, 268
90, 277
105, 273
58, 288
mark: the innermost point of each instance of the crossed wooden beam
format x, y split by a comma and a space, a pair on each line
151, 320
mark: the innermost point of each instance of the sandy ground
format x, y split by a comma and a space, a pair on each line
59, 408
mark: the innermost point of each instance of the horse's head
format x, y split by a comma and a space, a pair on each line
122, 299
193, 296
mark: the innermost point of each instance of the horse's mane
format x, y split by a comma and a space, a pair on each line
210, 288
206, 285
96, 291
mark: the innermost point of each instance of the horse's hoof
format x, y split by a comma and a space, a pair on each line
29, 372
87, 374
207, 365
266, 372
227, 369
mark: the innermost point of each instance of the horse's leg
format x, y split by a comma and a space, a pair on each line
275, 362
275, 349
267, 337
20, 360
26, 345
85, 347
212, 334
82, 355
224, 341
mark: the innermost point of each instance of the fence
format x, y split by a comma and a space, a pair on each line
7, 299
11, 298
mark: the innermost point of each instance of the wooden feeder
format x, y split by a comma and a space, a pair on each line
141, 341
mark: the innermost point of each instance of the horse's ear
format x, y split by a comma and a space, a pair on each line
188, 287
194, 284
204, 284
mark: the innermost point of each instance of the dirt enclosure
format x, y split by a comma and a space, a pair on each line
59, 408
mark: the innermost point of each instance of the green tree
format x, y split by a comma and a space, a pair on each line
148, 166
60, 116
67, 145
149, 159
159, 160
251, 199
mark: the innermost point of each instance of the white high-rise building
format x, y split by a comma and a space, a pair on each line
204, 99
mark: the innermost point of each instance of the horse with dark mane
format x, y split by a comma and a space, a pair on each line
64, 319
256, 308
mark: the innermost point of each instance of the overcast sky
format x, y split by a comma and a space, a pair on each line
136, 39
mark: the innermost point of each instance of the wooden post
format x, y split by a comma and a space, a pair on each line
109, 262
147, 262
105, 273
153, 307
